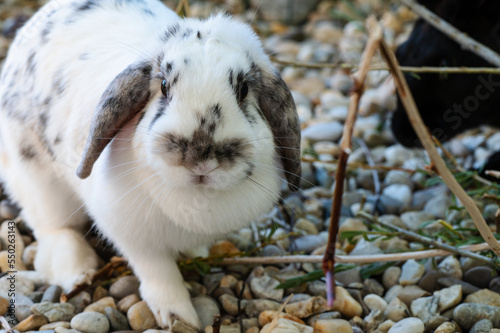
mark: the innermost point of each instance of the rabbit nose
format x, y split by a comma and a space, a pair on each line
204, 168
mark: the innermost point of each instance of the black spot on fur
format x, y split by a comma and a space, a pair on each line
160, 111
58, 139
168, 67
187, 61
175, 80
170, 32
31, 64
87, 5
27, 152
148, 12
216, 111
187, 33
58, 85
46, 31
84, 56
198, 34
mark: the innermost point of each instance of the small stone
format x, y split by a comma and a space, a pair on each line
396, 310
408, 325
307, 307
117, 320
410, 293
52, 294
484, 296
428, 282
265, 287
230, 304
124, 286
449, 297
24, 286
267, 316
222, 248
450, 267
372, 286
324, 315
286, 326
54, 325
400, 193
99, 293
349, 276
448, 327
482, 326
391, 276
480, 276
467, 314
438, 206
414, 220
33, 322
308, 243
23, 307
80, 301
307, 226
54, 311
29, 255
373, 301
206, 308
90, 322
125, 303
411, 273
329, 131
228, 281
255, 307
346, 304
140, 317
101, 305
495, 285
467, 288
332, 325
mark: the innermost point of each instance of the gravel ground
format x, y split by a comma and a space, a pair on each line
445, 294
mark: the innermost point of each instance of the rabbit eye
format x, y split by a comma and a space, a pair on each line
164, 88
243, 92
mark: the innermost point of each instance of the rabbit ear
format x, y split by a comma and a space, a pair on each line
278, 107
125, 96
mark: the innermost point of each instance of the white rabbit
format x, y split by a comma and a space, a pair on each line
180, 131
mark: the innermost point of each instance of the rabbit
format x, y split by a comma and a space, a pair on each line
450, 104
169, 133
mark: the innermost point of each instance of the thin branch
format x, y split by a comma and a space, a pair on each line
426, 240
465, 41
426, 140
328, 263
407, 69
360, 259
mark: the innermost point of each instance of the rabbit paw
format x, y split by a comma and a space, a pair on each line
168, 310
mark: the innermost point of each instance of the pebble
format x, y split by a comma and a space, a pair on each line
33, 322
428, 282
54, 325
331, 131
467, 314
325, 315
372, 286
427, 309
125, 303
414, 220
410, 293
391, 276
480, 276
411, 273
54, 311
467, 288
124, 286
206, 308
448, 327
285, 326
265, 287
495, 285
140, 317
449, 297
482, 326
408, 325
230, 304
332, 325
255, 307
396, 310
373, 301
450, 267
484, 296
4, 305
52, 294
346, 304
24, 286
90, 322
101, 305
23, 307
117, 320
400, 193
267, 316
81, 301
306, 308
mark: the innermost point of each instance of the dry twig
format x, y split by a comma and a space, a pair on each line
328, 263
426, 140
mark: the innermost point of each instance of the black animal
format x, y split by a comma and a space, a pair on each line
450, 104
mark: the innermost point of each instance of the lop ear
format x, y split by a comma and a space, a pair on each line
278, 107
125, 96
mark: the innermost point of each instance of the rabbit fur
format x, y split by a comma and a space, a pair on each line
169, 133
